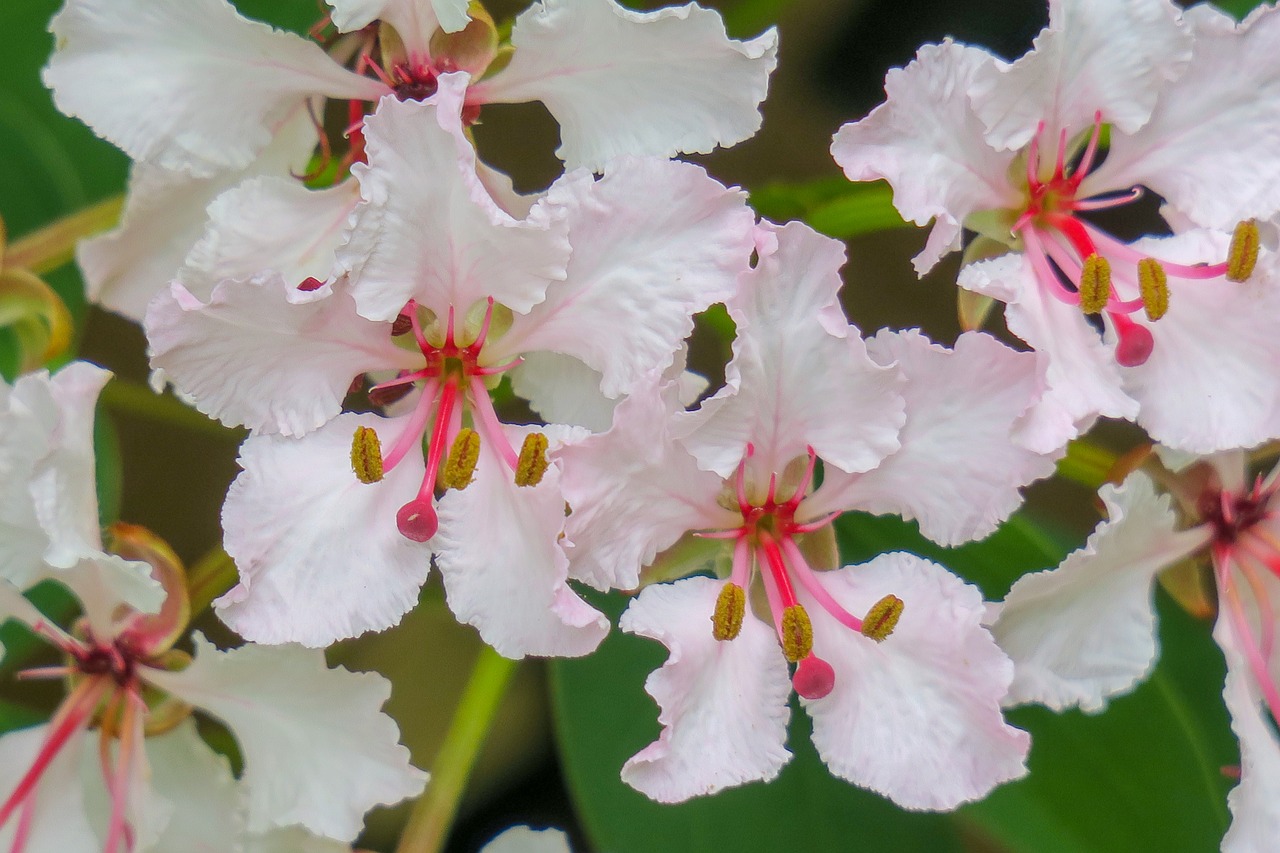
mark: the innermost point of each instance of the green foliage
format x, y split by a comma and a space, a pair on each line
1239, 8
832, 206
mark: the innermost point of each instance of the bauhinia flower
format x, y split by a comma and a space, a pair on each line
1115, 100
887, 652
120, 766
202, 98
1085, 631
334, 532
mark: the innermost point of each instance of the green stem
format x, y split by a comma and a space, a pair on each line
432, 816
125, 397
209, 577
1087, 464
55, 244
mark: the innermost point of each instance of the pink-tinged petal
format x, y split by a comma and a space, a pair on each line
1209, 383
428, 229
642, 83
635, 491
208, 807
1085, 631
100, 585
1095, 56
724, 708
415, 21
1081, 371
320, 555
800, 375
654, 242
293, 840
190, 87
318, 751
147, 809
915, 717
1208, 150
562, 390
164, 217
523, 839
1255, 802
60, 822
270, 223
959, 472
504, 568
264, 354
926, 141
24, 440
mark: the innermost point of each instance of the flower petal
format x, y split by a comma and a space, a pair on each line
644, 83
293, 840
320, 555
1085, 631
217, 86
724, 704
504, 569
562, 390
414, 20
428, 229
524, 839
915, 717
318, 751
60, 822
959, 471
208, 809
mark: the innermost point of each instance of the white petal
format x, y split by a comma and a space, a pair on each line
634, 491
104, 582
429, 230
414, 20
504, 569
800, 375
1085, 631
192, 87
915, 717
1208, 150
320, 555
263, 354
147, 811
562, 390
318, 751
164, 217
523, 839
959, 471
293, 840
1210, 384
1095, 55
644, 83
928, 143
654, 242
724, 704
60, 823
24, 439
208, 807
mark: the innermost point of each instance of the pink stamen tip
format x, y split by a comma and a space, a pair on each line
310, 283
417, 520
814, 678
1135, 344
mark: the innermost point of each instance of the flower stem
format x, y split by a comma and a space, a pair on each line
54, 245
1087, 464
125, 397
432, 816
209, 577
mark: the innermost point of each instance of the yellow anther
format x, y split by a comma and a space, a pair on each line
460, 467
1153, 284
797, 633
1243, 255
366, 455
1095, 284
731, 605
533, 460
882, 618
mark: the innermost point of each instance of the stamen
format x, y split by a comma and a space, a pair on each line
814, 677
882, 618
366, 455
532, 464
1243, 255
488, 425
1095, 284
797, 633
460, 468
1135, 342
731, 606
1153, 284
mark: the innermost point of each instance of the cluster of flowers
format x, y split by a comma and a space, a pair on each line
370, 301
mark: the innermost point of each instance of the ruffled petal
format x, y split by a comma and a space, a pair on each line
926, 141
60, 823
193, 87
563, 390
635, 491
293, 840
208, 807
504, 569
958, 472
643, 83
263, 354
320, 555
524, 839
915, 717
428, 229
654, 242
1085, 631
724, 708
414, 20
318, 751
1095, 56
800, 375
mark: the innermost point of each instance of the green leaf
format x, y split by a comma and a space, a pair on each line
1239, 8
832, 206
14, 716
